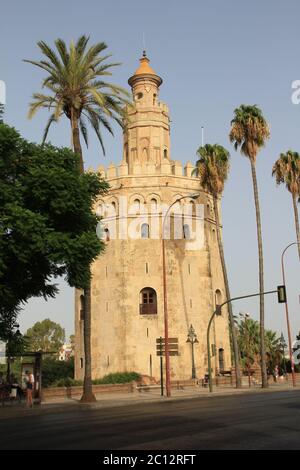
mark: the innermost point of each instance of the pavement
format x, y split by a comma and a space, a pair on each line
228, 419
116, 399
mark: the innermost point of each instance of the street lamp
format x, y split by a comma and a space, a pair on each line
287, 315
283, 345
166, 323
192, 338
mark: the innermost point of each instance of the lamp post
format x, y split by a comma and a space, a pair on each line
166, 322
192, 338
287, 315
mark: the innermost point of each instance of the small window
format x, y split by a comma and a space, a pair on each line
165, 153
218, 297
81, 313
186, 232
154, 99
107, 235
148, 301
81, 363
136, 205
221, 360
145, 231
153, 204
139, 96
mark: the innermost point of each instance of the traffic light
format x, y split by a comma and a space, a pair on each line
281, 292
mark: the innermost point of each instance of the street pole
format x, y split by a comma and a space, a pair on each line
287, 316
218, 311
193, 363
166, 322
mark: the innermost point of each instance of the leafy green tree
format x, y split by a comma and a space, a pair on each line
54, 370
77, 91
249, 343
249, 132
48, 227
45, 336
287, 170
212, 169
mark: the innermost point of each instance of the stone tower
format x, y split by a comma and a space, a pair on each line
127, 284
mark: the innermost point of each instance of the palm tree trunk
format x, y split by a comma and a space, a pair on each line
88, 395
76, 138
264, 377
231, 319
294, 196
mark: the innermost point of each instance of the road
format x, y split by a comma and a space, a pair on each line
264, 420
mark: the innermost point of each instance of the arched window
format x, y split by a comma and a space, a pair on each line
165, 153
186, 232
145, 231
148, 301
81, 311
218, 297
153, 204
221, 360
154, 99
136, 205
114, 207
139, 96
107, 235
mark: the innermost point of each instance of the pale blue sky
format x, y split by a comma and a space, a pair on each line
213, 55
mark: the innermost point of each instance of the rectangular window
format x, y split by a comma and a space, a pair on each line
81, 363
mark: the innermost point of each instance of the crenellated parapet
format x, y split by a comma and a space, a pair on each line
173, 167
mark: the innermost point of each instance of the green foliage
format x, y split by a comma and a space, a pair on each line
48, 227
75, 79
249, 130
115, 378
54, 371
212, 167
287, 170
249, 343
45, 336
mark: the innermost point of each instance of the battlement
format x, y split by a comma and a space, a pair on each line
173, 167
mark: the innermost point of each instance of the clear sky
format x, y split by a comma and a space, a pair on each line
213, 56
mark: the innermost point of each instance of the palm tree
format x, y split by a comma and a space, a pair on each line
78, 91
249, 132
212, 169
249, 339
287, 170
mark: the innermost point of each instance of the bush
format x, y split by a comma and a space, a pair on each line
54, 371
116, 378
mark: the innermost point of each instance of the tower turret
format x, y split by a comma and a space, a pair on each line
147, 135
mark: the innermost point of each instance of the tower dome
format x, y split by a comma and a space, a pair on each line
144, 72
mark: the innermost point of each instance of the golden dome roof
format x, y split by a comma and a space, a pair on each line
144, 71
144, 66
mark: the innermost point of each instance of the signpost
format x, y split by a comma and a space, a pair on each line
161, 351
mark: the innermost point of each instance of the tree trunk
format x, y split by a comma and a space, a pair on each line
264, 376
88, 395
231, 319
76, 138
294, 196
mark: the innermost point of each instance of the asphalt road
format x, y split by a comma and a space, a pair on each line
258, 421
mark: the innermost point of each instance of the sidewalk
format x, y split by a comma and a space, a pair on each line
106, 400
